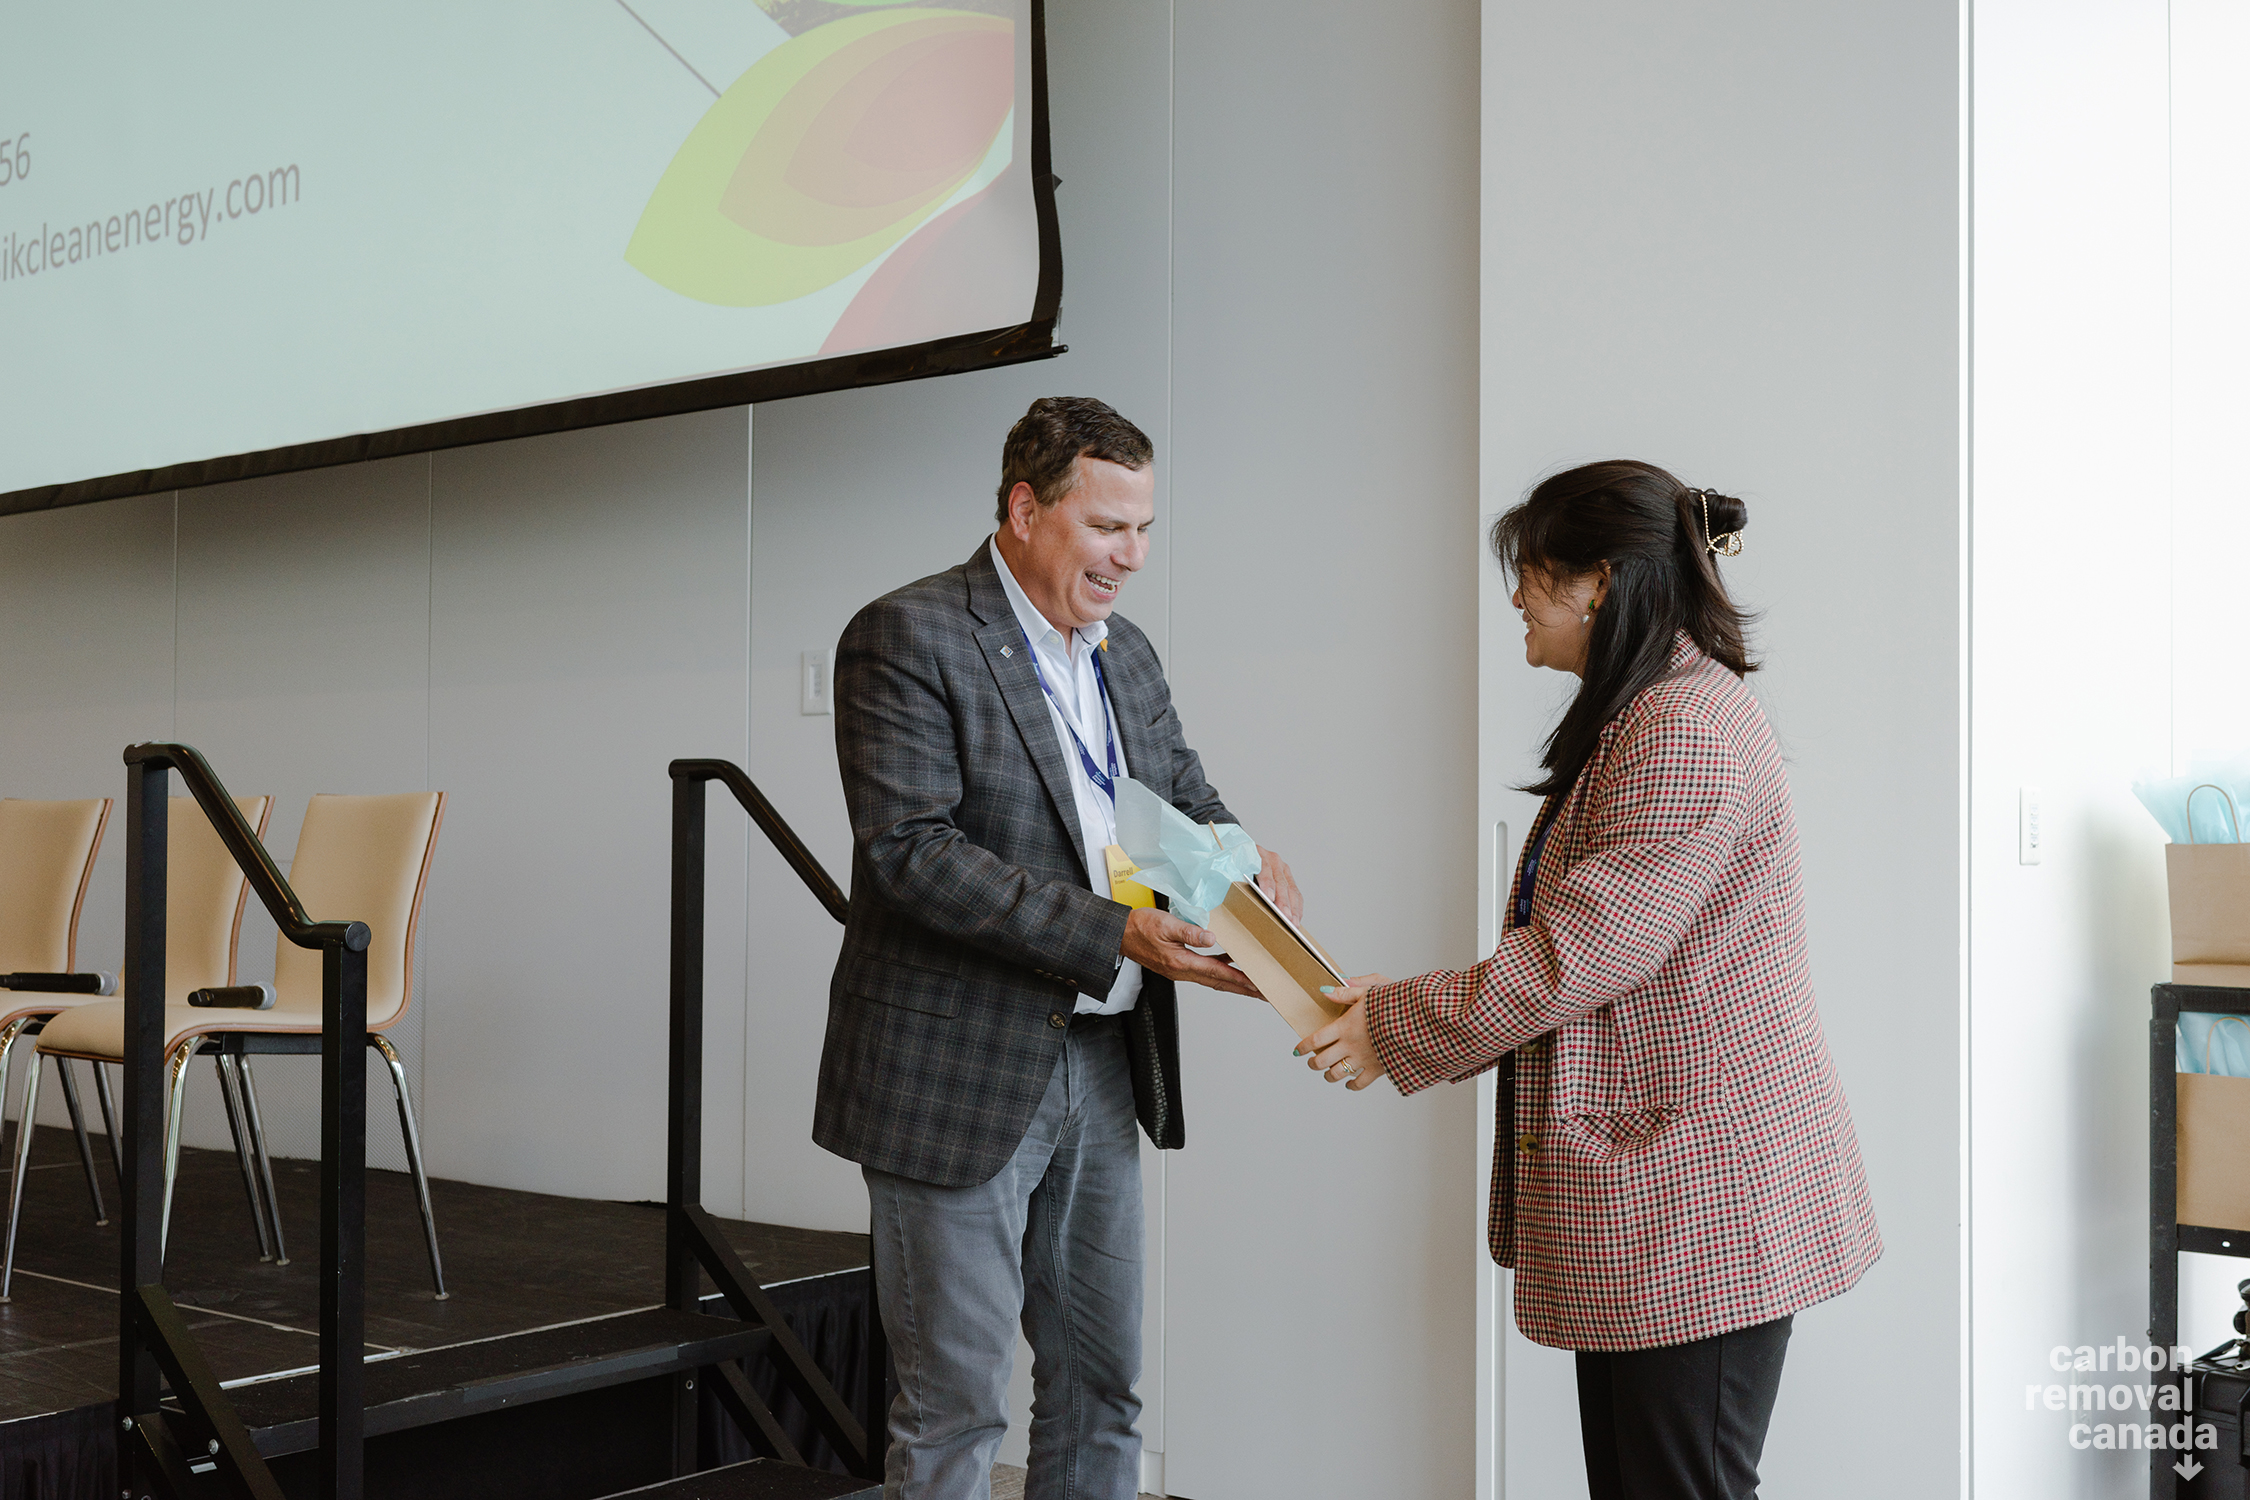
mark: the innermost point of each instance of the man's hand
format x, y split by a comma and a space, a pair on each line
1159, 942
1279, 885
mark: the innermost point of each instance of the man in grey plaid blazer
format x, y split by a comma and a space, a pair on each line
996, 1022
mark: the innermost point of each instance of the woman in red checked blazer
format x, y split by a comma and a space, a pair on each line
1677, 1173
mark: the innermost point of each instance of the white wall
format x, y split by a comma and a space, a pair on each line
2210, 296
588, 627
1724, 238
1324, 565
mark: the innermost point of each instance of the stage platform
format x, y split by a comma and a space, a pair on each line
514, 1262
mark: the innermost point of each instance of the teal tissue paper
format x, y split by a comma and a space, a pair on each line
2205, 806
1178, 857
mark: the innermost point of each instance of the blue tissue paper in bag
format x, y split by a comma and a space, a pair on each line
2210, 1043
2204, 806
1179, 857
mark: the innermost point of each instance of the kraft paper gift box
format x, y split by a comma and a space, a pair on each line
1207, 871
2214, 1141
1286, 965
2206, 871
2209, 887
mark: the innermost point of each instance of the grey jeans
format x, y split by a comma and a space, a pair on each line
1053, 1240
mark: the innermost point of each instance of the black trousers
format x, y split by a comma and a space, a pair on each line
1684, 1422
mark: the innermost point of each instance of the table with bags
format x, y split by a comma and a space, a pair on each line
2199, 1090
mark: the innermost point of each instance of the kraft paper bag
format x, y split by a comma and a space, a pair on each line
2214, 1145
2209, 886
1286, 965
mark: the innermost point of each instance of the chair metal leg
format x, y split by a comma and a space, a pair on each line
109, 1119
257, 1122
414, 1158
177, 1097
69, 1081
8, 1036
24, 1133
230, 1090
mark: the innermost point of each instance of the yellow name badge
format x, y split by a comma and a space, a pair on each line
1123, 888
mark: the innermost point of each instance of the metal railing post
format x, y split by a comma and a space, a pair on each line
683, 1128
153, 1338
343, 1219
691, 1236
141, 1244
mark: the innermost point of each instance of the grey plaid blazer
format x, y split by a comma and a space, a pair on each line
973, 927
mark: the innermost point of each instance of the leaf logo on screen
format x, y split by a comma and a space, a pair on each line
831, 149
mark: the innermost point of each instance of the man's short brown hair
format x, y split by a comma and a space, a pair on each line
1044, 446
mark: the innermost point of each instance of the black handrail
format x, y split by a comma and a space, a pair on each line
762, 813
153, 1341
258, 868
693, 1243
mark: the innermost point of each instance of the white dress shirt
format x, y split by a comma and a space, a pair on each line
1075, 690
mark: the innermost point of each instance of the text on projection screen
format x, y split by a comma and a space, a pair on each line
225, 229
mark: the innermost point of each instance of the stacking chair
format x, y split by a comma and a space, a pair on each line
47, 852
204, 893
361, 859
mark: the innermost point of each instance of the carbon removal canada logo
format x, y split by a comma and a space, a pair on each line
2126, 1395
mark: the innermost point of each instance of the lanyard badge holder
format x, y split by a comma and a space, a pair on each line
1123, 889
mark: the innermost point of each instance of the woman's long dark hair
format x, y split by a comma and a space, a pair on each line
1664, 577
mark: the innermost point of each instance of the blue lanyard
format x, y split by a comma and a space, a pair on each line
1530, 877
1106, 781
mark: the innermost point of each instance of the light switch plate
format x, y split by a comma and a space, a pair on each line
2031, 833
814, 694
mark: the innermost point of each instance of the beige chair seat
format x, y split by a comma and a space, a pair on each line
47, 1005
96, 1031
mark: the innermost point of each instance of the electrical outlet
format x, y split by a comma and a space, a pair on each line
2031, 834
814, 696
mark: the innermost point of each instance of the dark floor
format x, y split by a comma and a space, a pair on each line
1007, 1483
512, 1261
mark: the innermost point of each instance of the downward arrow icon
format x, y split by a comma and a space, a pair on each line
2187, 1468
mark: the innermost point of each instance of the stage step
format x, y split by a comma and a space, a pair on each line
439, 1385
758, 1479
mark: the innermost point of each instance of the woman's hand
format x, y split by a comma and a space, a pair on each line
1342, 1051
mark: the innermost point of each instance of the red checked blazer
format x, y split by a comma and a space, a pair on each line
1676, 1159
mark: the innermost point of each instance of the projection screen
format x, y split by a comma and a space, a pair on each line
246, 238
